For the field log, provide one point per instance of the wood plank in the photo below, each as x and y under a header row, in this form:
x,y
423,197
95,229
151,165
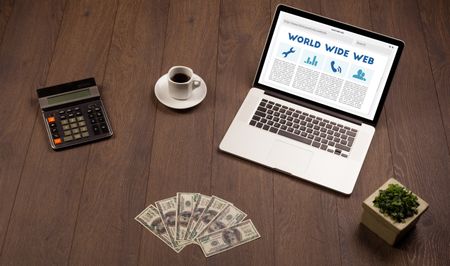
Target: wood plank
x,y
83,214
314,7
419,148
358,245
182,143
243,30
304,211
436,27
6,8
47,200
117,173
22,70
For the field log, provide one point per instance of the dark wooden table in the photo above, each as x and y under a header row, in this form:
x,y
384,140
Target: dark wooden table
x,y
77,206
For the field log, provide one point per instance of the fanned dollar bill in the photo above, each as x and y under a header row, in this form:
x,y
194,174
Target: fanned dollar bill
x,y
152,221
200,206
193,218
215,206
231,215
228,238
168,210
185,207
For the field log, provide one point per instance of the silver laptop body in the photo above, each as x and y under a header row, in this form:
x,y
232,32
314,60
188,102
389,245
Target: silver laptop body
x,y
316,98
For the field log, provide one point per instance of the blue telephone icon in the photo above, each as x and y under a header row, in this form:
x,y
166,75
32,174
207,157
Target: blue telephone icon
x,y
338,69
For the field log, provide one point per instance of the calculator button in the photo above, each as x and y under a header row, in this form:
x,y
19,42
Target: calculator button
x,y
101,119
62,116
69,110
57,141
80,118
52,125
91,115
70,115
77,136
76,108
93,121
68,138
74,125
82,123
96,129
97,109
72,120
64,122
61,112
89,111
54,130
67,133
99,114
66,127
85,134
78,113
83,129
51,119
75,130
55,136
104,128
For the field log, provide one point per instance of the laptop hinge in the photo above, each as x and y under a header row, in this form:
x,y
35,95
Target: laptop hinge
x,y
311,106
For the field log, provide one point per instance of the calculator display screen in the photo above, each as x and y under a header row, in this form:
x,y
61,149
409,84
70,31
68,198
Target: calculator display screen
x,y
69,96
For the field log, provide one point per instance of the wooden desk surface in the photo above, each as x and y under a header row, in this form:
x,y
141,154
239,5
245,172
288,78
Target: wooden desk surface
x,y
77,206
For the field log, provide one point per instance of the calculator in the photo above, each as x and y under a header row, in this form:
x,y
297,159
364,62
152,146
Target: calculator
x,y
74,113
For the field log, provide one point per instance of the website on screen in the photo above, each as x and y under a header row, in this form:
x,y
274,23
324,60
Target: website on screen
x,y
334,67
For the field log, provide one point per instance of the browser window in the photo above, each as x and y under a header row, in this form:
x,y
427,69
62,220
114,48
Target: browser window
x,y
328,65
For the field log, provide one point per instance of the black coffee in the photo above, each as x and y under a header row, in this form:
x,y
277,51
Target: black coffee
x,y
180,78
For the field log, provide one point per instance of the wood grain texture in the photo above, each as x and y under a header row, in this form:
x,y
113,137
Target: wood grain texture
x,y
436,28
358,245
22,70
115,183
83,213
6,8
305,234
243,30
420,161
182,142
44,215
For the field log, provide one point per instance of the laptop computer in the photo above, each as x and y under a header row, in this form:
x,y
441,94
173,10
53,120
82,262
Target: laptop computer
x,y
316,99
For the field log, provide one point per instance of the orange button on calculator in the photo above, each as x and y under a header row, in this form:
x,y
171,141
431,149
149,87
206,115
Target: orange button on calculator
x,y
73,113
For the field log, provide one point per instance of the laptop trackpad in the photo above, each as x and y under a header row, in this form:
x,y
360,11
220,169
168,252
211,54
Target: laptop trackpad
x,y
289,158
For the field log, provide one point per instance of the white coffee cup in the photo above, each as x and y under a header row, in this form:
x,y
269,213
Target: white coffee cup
x,y
181,82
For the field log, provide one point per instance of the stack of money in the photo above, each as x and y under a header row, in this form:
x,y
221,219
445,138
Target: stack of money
x,y
214,224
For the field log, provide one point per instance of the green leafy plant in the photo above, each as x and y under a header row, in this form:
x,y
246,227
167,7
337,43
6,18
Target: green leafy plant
x,y
397,202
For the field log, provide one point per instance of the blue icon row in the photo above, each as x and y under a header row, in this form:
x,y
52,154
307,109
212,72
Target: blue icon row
x,y
312,62
360,75
332,66
335,68
286,53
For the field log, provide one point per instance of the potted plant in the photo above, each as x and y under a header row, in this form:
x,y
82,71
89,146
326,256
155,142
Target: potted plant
x,y
392,210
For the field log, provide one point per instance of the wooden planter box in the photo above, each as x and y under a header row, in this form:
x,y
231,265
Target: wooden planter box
x,y
384,226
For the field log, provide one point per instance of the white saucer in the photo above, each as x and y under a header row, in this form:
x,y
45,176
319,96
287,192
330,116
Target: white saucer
x,y
162,93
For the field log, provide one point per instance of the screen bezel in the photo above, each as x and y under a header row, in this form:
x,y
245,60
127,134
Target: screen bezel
x,y
400,44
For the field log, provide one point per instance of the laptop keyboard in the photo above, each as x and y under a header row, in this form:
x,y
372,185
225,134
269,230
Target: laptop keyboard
x,y
304,127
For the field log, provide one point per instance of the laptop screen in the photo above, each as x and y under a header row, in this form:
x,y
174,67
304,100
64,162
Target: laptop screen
x,y
329,63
